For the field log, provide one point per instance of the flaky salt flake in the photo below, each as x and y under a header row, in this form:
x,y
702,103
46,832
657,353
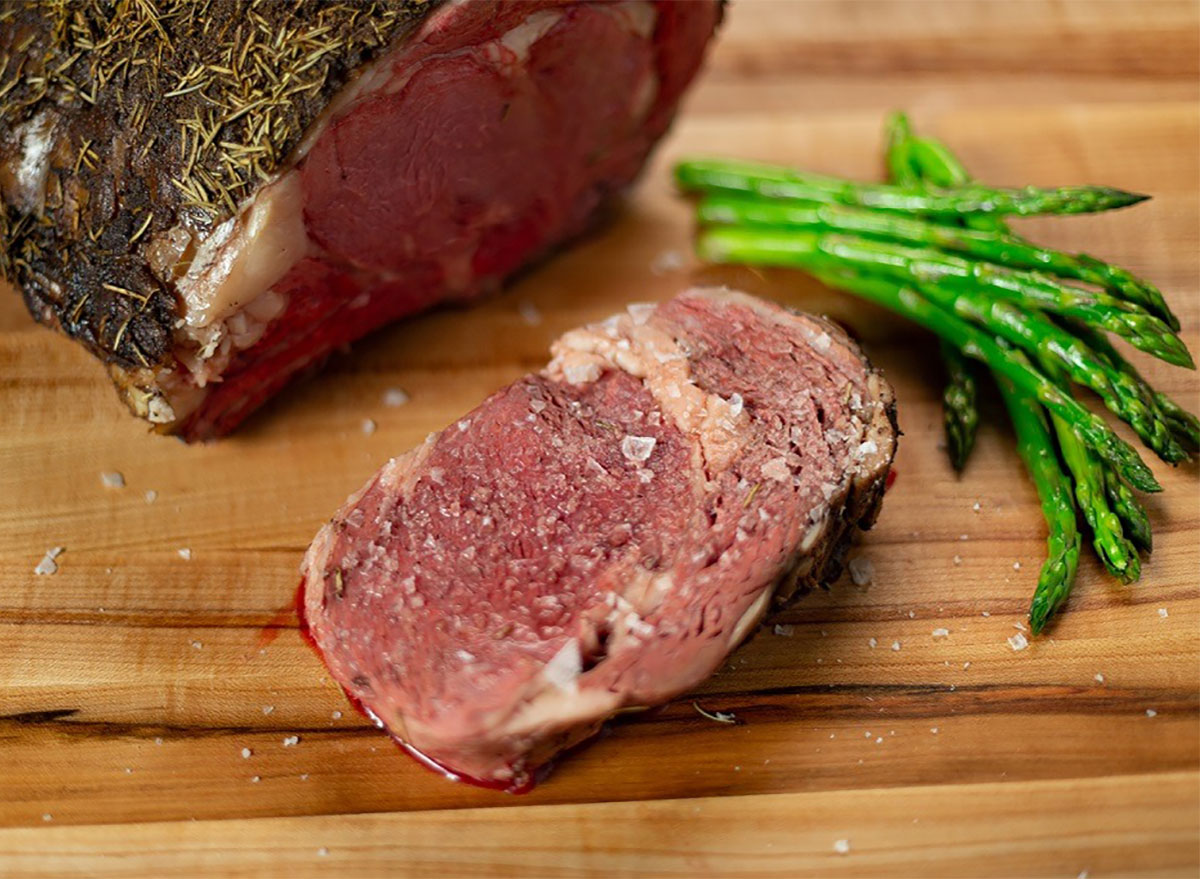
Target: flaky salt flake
x,y
861,571
666,261
246,753
872,643
267,709
46,816
394,398
841,846
1150,712
896,646
565,666
934,730
185,553
777,469
582,373
785,630
868,447
1018,641
822,342
736,404
1099,678
255,779
941,633
975,507
322,852
1019,626
958,560
638,448
291,741
113,479
48,565
151,496
368,426
1162,612
640,311
529,313
337,715
1016,566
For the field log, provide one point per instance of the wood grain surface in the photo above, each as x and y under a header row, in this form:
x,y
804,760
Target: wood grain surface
x,y
133,680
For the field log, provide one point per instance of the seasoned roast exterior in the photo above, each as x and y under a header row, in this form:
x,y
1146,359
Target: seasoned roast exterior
x,y
600,535
213,196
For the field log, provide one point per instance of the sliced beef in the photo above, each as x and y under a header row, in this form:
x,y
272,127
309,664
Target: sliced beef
x,y
213,197
602,534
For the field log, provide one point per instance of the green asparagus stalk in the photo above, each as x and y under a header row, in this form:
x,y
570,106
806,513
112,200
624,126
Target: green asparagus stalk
x,y
979,345
772,181
991,245
1037,450
813,250
960,412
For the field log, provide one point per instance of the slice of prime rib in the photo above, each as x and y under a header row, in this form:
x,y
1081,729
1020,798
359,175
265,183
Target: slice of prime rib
x,y
602,534
212,197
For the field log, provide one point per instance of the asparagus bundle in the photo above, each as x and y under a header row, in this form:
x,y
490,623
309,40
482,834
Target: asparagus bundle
x,y
933,246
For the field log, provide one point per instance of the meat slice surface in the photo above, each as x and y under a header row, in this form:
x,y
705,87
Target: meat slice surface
x,y
243,191
602,534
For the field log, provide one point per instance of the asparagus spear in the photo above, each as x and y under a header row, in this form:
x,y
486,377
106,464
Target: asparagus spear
x,y
1108,537
993,245
772,181
1184,424
960,412
978,345
1128,508
1036,447
811,249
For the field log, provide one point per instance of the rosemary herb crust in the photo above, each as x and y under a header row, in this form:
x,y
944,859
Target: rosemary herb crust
x,y
154,115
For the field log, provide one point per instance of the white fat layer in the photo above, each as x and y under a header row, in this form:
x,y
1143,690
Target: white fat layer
x,y
247,254
564,667
37,141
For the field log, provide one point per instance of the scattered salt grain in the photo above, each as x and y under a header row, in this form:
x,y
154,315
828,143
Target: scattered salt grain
x,y
934,730
1099,678
786,630
185,554
368,426
529,313
640,311
254,779
958,560
197,645
867,734
113,479
941,633
1020,627
967,664
1016,566
267,709
151,496
394,398
1150,712
337,715
986,614
158,740
1162,612
667,261
896,645
879,740
48,565
322,852
47,817
304,776
1018,642
964,537
246,753
872,643
861,571
841,846
637,448
976,507
291,741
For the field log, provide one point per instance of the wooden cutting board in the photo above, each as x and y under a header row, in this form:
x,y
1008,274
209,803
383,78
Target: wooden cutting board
x,y
145,697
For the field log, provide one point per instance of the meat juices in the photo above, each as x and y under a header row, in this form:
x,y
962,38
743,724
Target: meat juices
x,y
424,152
602,534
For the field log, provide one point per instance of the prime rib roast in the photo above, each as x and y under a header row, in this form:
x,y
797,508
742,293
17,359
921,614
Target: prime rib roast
x,y
602,534
212,197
